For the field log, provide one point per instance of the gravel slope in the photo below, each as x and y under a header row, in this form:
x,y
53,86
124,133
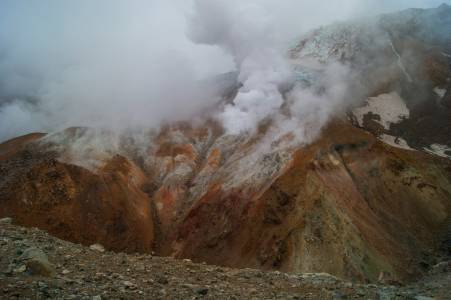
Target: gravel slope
x,y
78,272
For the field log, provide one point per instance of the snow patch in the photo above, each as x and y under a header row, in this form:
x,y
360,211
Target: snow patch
x,y
330,42
395,141
400,63
440,92
391,109
446,55
439,150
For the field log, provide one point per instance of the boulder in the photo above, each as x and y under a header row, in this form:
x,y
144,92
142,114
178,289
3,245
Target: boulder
x,y
97,247
37,262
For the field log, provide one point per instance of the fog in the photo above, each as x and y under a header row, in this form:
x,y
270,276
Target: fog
x,y
135,64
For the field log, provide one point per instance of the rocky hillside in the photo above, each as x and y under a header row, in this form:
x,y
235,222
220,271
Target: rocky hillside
x,y
347,204
35,265
403,65
369,200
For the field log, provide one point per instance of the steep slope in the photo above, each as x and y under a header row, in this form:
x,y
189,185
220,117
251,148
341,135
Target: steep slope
x,y
74,203
400,58
347,204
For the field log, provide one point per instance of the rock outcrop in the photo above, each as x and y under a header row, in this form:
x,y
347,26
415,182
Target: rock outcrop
x,y
347,204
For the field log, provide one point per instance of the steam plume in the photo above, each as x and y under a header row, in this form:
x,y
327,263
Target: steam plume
x,y
129,64
247,32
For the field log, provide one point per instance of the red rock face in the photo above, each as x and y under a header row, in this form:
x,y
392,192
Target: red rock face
x,y
346,204
10,148
75,204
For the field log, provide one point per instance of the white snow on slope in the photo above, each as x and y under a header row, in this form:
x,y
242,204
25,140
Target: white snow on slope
x,y
439,150
400,63
395,141
391,109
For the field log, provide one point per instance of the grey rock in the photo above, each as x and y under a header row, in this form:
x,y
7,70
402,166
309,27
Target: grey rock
x,y
129,284
97,247
423,298
6,221
20,269
162,280
441,267
201,290
37,262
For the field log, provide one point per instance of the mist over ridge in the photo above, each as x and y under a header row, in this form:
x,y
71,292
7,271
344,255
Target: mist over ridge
x,y
133,65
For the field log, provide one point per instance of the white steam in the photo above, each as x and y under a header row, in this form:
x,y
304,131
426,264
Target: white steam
x,y
244,31
108,64
249,33
123,65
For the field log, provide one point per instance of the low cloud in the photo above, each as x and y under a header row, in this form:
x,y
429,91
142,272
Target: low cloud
x,y
133,64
